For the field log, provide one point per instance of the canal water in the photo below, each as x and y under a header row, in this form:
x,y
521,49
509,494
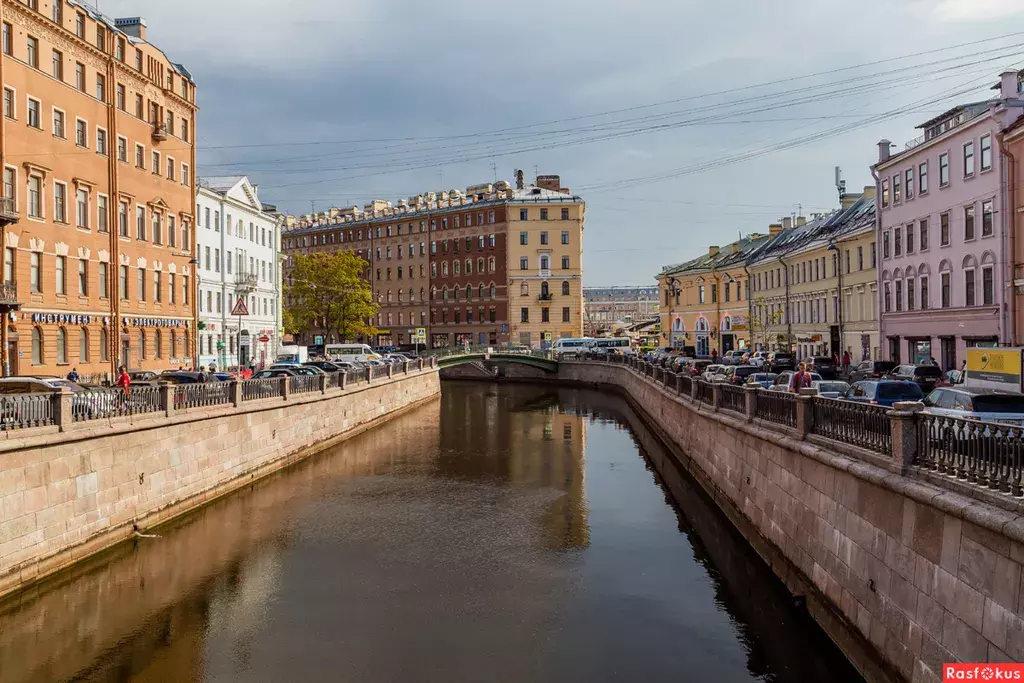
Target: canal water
x,y
500,534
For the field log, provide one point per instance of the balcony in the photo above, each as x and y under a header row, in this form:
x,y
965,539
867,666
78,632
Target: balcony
x,y
159,132
9,295
246,282
546,297
8,212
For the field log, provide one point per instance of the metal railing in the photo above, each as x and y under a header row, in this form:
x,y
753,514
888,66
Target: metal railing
x,y
855,423
206,394
257,389
776,406
334,379
95,404
685,383
705,393
21,411
984,453
9,292
305,384
378,371
8,211
734,398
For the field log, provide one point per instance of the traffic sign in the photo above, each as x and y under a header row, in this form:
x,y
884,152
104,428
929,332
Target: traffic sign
x,y
240,308
421,333
264,339
318,340
547,336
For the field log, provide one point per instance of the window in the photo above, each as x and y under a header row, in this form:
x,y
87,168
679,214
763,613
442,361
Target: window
x,y
524,263
83,277
987,288
885,244
171,289
897,247
986,218
122,219
944,169
986,152
37,346
142,344
7,31
922,178
544,238
34,113
545,315
9,269
158,237
923,234
184,289
896,196
969,286
140,156
35,272
969,159
910,183
910,238
82,206
9,110
158,289
60,202
968,223
185,176
910,294
101,87
944,230
565,262
170,168
524,238
138,60
700,294
142,284
80,76
10,185
81,133
543,214
523,213
171,238
155,167
101,38
57,62
524,315
899,295
32,56
924,292
565,288
119,49
138,106
60,274
122,284
104,345
35,196
62,346
140,222
103,282
886,297
565,214
184,130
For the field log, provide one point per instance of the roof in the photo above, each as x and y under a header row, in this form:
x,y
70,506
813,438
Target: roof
x,y
723,259
532,193
971,109
220,184
861,214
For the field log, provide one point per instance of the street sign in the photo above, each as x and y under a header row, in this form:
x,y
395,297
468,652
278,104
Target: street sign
x,y
547,336
220,345
264,339
240,308
504,328
421,334
318,340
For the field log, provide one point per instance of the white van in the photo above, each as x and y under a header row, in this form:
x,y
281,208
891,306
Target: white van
x,y
350,353
609,345
570,348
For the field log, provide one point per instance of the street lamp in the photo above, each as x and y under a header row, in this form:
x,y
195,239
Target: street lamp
x,y
834,248
675,289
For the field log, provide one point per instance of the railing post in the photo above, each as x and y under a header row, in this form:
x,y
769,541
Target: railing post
x,y
167,399
63,409
391,370
716,396
679,382
903,423
750,394
805,411
286,387
236,392
694,385
419,361
323,383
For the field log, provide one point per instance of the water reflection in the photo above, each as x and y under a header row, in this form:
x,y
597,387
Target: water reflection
x,y
504,534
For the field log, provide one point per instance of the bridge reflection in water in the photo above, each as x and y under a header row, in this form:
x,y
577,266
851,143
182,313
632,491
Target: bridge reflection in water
x,y
500,534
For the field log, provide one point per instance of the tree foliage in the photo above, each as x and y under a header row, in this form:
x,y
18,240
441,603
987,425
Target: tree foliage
x,y
328,292
763,324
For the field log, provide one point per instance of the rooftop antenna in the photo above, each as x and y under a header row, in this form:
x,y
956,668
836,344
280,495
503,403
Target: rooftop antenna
x,y
441,175
494,169
840,183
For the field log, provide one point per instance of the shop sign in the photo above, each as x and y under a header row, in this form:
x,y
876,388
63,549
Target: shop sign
x,y
153,322
63,318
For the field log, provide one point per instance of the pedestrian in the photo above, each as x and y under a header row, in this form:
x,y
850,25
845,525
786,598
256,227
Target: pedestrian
x,y
846,361
73,375
714,355
213,367
123,382
802,379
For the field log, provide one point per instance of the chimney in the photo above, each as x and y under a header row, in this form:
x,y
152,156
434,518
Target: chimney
x,y
519,179
848,200
133,26
883,150
713,251
1009,87
549,182
774,229
800,221
869,191
787,223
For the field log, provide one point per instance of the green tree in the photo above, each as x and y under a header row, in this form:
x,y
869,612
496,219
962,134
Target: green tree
x,y
328,292
763,324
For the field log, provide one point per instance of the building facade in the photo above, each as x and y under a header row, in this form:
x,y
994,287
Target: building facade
x,y
605,308
96,144
238,247
944,233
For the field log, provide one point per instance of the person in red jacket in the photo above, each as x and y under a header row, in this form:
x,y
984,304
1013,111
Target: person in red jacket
x,y
123,380
802,379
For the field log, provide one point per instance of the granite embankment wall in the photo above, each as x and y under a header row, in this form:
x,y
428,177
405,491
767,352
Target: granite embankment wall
x,y
904,572
69,492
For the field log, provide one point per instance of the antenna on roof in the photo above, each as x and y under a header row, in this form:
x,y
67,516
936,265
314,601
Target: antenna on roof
x,y
840,183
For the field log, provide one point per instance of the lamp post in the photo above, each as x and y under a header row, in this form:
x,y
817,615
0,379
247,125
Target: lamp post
x,y
675,289
834,248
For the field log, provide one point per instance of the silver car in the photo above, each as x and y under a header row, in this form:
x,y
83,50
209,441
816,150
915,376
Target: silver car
x,y
979,405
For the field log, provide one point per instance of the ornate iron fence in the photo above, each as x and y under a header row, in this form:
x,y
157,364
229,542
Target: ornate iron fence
x,y
256,389
777,406
205,394
94,404
984,453
734,398
855,423
685,383
705,393
378,371
305,384
20,411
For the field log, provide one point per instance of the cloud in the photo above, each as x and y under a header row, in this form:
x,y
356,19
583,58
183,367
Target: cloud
x,y
974,10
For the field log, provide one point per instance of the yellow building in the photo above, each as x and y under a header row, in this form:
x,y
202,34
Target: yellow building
x,y
545,263
705,303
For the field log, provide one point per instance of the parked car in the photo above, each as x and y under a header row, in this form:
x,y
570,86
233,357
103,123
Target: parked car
x,y
952,378
884,392
243,372
982,405
740,373
780,362
275,372
142,376
733,357
758,358
325,365
784,381
185,377
305,370
762,379
831,388
871,369
925,375
697,367
823,365
711,370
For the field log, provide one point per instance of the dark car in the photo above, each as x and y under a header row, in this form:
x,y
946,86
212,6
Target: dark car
x,y
823,365
698,367
186,377
884,392
871,369
275,372
740,373
780,362
325,365
925,375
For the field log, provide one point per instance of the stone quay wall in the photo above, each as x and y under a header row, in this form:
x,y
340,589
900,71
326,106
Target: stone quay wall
x,y
68,491
905,570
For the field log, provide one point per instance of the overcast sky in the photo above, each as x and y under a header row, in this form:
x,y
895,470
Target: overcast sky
x,y
391,96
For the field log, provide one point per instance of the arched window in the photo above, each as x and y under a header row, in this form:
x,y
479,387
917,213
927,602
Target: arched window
x,y
389,318
524,289
469,266
389,296
444,269
188,343
479,266
456,292
490,264
444,293
158,345
480,291
174,343
456,267
104,345
469,292
677,325
422,294
433,293
412,295
37,346
726,324
142,345
83,345
544,292
494,290
399,296
565,288
62,346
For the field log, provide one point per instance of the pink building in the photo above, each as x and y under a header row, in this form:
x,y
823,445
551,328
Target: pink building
x,y
943,234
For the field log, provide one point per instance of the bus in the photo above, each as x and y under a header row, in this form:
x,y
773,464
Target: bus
x,y
570,348
609,345
350,353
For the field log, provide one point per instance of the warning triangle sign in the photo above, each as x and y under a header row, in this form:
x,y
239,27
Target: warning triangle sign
x,y
240,308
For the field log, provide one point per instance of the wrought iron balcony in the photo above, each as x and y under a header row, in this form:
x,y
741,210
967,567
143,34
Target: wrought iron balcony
x,y
546,297
246,281
9,294
8,212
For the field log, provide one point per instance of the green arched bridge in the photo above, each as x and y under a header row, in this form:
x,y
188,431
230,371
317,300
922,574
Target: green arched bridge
x,y
545,364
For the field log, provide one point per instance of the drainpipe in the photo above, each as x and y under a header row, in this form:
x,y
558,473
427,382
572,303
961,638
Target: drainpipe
x,y
878,271
718,306
1009,220
788,311
750,309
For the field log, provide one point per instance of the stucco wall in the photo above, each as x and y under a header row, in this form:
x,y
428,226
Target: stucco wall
x,y
66,495
902,574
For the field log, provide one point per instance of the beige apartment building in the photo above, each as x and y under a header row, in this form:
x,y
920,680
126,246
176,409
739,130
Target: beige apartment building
x,y
96,143
545,263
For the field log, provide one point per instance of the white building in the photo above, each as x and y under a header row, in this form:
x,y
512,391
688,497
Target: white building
x,y
239,242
